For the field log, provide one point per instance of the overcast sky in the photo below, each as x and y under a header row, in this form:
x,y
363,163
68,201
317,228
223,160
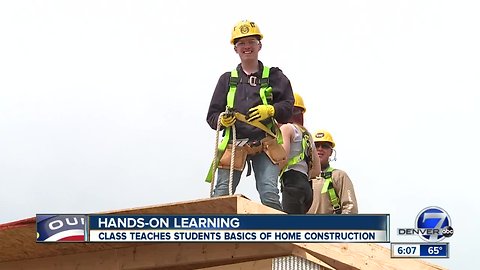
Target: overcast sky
x,y
103,103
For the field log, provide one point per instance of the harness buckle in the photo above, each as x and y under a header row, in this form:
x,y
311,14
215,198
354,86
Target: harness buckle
x,y
252,80
337,209
254,143
229,111
326,175
246,141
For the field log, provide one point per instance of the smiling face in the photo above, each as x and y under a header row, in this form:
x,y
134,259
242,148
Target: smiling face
x,y
248,47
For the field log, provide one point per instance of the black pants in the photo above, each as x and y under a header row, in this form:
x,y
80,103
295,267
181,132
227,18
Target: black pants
x,y
297,194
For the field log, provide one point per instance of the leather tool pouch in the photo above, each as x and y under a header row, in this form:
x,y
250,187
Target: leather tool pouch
x,y
253,149
274,151
239,161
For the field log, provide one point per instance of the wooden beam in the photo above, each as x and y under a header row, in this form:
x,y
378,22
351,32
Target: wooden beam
x,y
217,205
18,246
18,238
157,256
299,252
245,206
257,265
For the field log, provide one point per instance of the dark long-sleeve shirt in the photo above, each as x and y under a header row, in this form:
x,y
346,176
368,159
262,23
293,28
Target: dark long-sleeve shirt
x,y
248,96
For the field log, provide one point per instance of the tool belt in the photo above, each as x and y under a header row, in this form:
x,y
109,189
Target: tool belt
x,y
269,145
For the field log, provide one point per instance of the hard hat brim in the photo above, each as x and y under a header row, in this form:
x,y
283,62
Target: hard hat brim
x,y
233,41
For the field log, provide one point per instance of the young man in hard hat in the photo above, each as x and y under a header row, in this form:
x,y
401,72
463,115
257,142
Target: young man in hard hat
x,y
303,162
333,191
256,97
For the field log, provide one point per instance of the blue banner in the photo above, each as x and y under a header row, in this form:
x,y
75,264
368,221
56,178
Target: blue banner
x,y
239,222
434,250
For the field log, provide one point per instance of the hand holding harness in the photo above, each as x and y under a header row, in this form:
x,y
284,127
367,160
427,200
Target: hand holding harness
x,y
266,97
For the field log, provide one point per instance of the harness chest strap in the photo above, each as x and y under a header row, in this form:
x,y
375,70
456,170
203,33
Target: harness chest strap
x,y
328,187
301,156
265,95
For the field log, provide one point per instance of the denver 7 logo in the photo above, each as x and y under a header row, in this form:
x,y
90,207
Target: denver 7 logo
x,y
432,222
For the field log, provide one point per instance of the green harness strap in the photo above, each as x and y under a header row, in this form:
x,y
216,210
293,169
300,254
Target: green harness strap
x,y
265,95
301,156
328,187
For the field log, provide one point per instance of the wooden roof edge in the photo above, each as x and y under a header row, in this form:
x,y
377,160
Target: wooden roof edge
x,y
337,255
187,202
302,253
246,206
31,220
17,223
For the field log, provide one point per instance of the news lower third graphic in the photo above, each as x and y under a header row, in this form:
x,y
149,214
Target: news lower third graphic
x,y
61,228
432,225
239,228
217,228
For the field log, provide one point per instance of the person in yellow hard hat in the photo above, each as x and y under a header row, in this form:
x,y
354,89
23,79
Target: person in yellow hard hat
x,y
303,162
333,191
252,97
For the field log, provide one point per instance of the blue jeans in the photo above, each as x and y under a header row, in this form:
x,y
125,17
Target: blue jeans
x,y
266,177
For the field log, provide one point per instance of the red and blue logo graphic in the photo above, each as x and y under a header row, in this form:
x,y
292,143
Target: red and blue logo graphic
x,y
61,228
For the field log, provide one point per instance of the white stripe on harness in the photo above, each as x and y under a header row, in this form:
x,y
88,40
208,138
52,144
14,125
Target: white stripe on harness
x,y
241,142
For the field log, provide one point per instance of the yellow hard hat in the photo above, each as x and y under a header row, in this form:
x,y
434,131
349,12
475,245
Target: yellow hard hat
x,y
323,136
245,29
299,102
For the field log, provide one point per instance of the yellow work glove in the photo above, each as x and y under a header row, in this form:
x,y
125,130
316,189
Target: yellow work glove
x,y
261,112
227,120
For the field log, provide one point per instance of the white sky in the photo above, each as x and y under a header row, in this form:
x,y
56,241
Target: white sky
x,y
103,103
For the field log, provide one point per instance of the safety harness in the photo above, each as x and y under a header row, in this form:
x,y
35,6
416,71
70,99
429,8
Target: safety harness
x,y
266,97
328,187
305,154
